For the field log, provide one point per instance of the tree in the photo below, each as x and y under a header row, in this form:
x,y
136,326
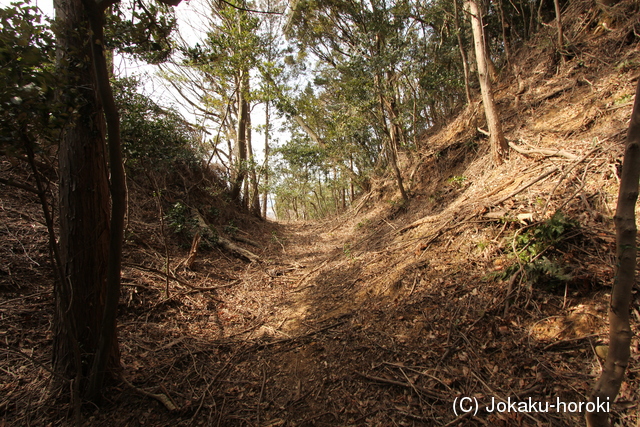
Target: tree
x,y
92,202
215,77
84,205
497,141
30,115
463,54
560,35
620,333
365,56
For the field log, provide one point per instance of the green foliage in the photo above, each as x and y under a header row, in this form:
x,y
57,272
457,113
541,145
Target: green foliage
x,y
152,136
232,48
210,239
457,181
623,99
549,234
307,186
28,108
141,29
346,250
180,220
545,237
231,228
363,224
299,153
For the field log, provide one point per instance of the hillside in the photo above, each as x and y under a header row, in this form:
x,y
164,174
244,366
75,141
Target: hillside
x,y
384,314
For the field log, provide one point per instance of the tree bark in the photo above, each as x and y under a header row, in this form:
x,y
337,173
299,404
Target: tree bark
x,y
107,341
505,39
560,39
392,140
463,54
620,333
253,193
84,202
265,193
240,171
498,143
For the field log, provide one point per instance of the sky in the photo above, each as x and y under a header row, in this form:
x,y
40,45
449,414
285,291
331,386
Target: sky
x,y
191,16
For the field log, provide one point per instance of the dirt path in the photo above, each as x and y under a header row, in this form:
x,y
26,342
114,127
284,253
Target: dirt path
x,y
342,323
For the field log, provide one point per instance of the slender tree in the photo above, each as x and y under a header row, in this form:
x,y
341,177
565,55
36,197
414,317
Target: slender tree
x,y
463,54
497,140
559,33
84,203
620,333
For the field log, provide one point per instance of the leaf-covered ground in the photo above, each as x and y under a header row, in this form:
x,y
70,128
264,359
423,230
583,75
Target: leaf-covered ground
x,y
386,314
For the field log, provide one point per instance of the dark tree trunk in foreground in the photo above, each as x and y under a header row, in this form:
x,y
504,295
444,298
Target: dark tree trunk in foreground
x,y
106,360
84,202
620,334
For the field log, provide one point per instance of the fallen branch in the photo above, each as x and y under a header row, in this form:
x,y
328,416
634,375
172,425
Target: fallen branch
x,y
20,185
162,398
193,252
299,337
247,241
570,340
432,394
299,282
34,361
547,152
564,175
228,245
156,271
527,185
177,279
211,288
237,250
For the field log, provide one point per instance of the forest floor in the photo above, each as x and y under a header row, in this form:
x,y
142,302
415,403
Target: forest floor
x,y
343,322
383,315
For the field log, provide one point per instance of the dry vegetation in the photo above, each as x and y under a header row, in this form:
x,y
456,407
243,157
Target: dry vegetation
x,y
386,314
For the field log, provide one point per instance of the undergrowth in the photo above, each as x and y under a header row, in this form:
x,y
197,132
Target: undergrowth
x,y
536,250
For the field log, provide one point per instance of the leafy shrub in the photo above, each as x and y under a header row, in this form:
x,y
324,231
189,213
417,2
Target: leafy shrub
x,y
180,221
152,136
545,237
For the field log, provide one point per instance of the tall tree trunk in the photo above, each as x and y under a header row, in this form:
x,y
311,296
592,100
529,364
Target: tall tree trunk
x,y
351,180
392,128
393,154
490,66
84,204
108,342
620,332
253,193
240,167
560,36
505,39
463,54
498,143
265,193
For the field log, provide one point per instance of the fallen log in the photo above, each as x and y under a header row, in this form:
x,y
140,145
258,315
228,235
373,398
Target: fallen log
x,y
206,230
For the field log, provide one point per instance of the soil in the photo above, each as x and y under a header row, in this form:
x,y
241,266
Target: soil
x,y
385,314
